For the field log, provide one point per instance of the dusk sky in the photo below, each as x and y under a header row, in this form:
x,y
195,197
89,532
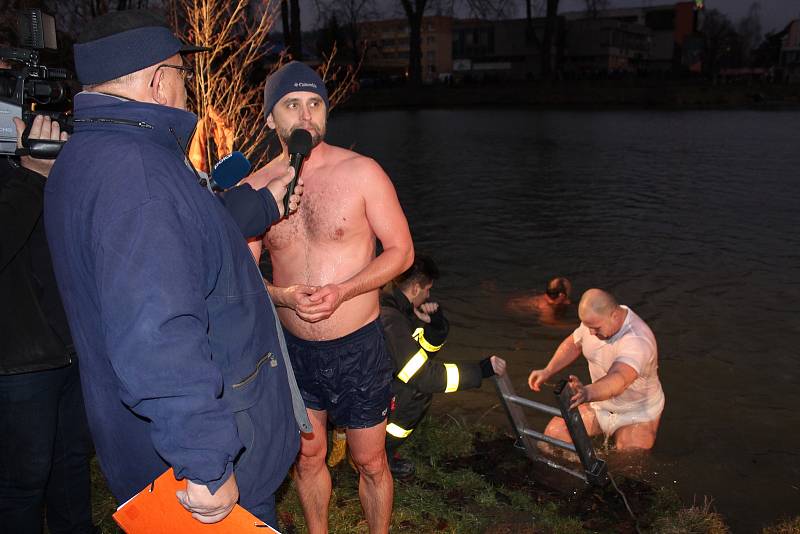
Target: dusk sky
x,y
775,14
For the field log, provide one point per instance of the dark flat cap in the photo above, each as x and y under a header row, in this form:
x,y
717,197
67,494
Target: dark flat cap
x,y
123,42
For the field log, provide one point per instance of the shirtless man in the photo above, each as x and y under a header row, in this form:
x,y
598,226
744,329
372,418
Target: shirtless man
x,y
326,280
625,399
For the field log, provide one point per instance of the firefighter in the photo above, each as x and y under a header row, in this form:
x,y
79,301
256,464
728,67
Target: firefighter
x,y
415,330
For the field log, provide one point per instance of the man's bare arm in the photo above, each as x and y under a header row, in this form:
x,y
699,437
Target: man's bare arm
x,y
388,222
286,297
619,377
566,353
256,246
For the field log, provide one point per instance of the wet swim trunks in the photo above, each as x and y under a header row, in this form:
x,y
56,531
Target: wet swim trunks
x,y
611,421
350,377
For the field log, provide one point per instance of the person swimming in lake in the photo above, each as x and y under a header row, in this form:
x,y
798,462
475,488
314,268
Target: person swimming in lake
x,y
550,306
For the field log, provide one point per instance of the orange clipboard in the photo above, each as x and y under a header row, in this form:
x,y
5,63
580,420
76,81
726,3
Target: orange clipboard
x,y
156,510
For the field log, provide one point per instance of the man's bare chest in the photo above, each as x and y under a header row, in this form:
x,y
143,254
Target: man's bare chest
x,y
328,213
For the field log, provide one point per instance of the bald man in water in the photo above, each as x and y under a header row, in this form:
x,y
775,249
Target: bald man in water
x,y
625,399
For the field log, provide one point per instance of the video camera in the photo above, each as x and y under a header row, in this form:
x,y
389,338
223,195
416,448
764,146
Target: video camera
x,y
27,84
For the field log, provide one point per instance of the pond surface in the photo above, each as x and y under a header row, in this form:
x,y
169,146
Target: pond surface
x,y
689,218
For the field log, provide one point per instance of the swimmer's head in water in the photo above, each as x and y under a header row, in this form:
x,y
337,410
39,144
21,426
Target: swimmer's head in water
x,y
558,287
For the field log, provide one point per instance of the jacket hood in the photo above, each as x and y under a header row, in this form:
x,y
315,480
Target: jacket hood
x,y
101,111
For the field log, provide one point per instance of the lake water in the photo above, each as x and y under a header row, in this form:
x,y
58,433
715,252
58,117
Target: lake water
x,y
690,218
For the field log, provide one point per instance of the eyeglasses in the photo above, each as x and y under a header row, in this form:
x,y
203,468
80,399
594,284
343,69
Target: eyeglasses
x,y
187,73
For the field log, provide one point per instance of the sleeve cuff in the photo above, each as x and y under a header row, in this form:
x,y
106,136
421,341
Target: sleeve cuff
x,y
270,206
254,211
214,485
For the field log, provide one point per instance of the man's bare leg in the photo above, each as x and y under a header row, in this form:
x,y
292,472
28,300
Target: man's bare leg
x,y
312,477
557,428
638,436
375,488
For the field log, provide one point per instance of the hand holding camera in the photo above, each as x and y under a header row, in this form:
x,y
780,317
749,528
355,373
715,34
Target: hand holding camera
x,y
43,128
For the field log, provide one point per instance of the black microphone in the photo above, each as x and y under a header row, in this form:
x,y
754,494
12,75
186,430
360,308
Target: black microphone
x,y
299,148
229,171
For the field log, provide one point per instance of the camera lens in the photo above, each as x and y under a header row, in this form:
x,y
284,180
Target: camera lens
x,y
46,91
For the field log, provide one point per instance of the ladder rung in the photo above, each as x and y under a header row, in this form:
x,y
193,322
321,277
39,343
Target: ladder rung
x,y
554,465
548,439
533,404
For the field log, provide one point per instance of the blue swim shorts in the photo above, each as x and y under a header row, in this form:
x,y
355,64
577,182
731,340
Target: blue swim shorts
x,y
350,377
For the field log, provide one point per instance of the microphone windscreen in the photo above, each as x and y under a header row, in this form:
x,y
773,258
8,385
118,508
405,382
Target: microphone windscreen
x,y
300,142
230,170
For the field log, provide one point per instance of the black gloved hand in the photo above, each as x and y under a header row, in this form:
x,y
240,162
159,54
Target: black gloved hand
x,y
486,367
436,331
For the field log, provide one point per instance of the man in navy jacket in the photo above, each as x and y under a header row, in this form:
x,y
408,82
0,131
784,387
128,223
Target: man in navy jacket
x,y
183,363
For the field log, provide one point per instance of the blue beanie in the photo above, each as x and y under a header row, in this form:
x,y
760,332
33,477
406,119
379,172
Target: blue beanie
x,y
293,76
123,42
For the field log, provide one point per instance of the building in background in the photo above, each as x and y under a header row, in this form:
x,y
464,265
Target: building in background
x,y
502,49
386,48
599,46
661,38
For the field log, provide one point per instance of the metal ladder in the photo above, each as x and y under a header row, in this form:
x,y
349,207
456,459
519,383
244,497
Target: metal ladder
x,y
595,470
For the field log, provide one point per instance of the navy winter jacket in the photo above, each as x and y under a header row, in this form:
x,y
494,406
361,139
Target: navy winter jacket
x,y
183,362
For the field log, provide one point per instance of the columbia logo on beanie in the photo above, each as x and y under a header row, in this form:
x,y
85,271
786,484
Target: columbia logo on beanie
x,y
294,76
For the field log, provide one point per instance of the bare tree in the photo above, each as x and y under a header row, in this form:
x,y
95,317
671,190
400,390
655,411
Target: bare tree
x,y
228,101
292,35
547,39
722,42
490,9
415,9
297,41
350,13
749,29
594,7
287,29
532,7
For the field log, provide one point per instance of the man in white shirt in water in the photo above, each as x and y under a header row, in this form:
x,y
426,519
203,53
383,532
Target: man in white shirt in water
x,y
625,399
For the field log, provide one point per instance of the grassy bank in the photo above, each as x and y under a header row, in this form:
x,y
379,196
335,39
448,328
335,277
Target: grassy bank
x,y
581,94
474,480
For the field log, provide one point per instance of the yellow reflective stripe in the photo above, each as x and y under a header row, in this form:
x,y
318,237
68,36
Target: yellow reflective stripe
x,y
419,336
397,431
452,377
413,365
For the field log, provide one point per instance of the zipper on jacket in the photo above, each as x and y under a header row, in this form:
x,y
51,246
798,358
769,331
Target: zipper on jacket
x,y
184,151
273,362
126,122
